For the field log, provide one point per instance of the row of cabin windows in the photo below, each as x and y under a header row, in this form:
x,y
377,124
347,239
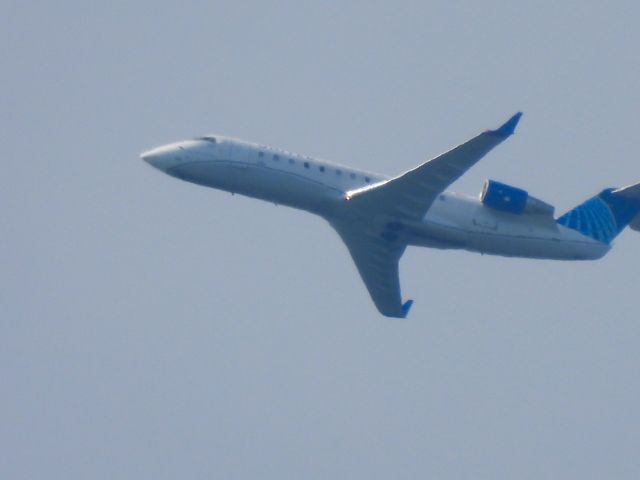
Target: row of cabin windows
x,y
276,158
308,165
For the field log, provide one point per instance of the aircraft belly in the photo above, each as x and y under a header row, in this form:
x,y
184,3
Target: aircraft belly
x,y
514,242
220,175
535,246
435,235
285,188
272,185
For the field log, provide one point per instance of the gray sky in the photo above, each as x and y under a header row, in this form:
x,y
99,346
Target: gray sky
x,y
154,329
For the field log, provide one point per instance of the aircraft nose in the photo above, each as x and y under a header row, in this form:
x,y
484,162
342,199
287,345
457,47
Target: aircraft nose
x,y
146,156
153,156
161,157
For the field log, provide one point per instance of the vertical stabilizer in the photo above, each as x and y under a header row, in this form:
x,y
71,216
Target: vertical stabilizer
x,y
604,216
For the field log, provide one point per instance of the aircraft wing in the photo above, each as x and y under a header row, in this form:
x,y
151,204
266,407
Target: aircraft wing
x,y
377,261
375,251
411,194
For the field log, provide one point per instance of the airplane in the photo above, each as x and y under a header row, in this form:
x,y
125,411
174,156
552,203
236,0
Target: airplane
x,y
377,217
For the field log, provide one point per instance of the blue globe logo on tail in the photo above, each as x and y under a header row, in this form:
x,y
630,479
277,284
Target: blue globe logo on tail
x,y
601,217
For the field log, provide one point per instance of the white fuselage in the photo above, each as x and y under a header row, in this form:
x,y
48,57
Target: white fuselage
x,y
453,221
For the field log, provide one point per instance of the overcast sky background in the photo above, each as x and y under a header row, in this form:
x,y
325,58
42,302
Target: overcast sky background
x,y
154,329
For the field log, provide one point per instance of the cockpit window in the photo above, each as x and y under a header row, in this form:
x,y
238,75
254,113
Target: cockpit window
x,y
208,139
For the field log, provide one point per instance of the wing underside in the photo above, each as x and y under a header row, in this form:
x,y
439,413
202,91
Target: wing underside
x,y
377,260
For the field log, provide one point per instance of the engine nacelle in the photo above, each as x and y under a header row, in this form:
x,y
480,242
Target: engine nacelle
x,y
512,200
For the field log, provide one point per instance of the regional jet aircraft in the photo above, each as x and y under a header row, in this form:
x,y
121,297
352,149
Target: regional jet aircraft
x,y
377,217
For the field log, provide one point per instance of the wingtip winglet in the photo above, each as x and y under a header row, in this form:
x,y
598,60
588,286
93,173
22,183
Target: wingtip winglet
x,y
509,127
406,307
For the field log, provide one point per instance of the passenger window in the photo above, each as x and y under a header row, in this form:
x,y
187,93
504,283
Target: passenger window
x,y
306,164
338,172
321,168
276,157
291,161
261,154
367,179
352,176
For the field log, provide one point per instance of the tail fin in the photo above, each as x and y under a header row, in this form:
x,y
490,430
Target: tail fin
x,y
604,216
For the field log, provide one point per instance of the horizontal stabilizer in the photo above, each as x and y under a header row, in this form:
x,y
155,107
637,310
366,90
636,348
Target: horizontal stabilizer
x,y
632,192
